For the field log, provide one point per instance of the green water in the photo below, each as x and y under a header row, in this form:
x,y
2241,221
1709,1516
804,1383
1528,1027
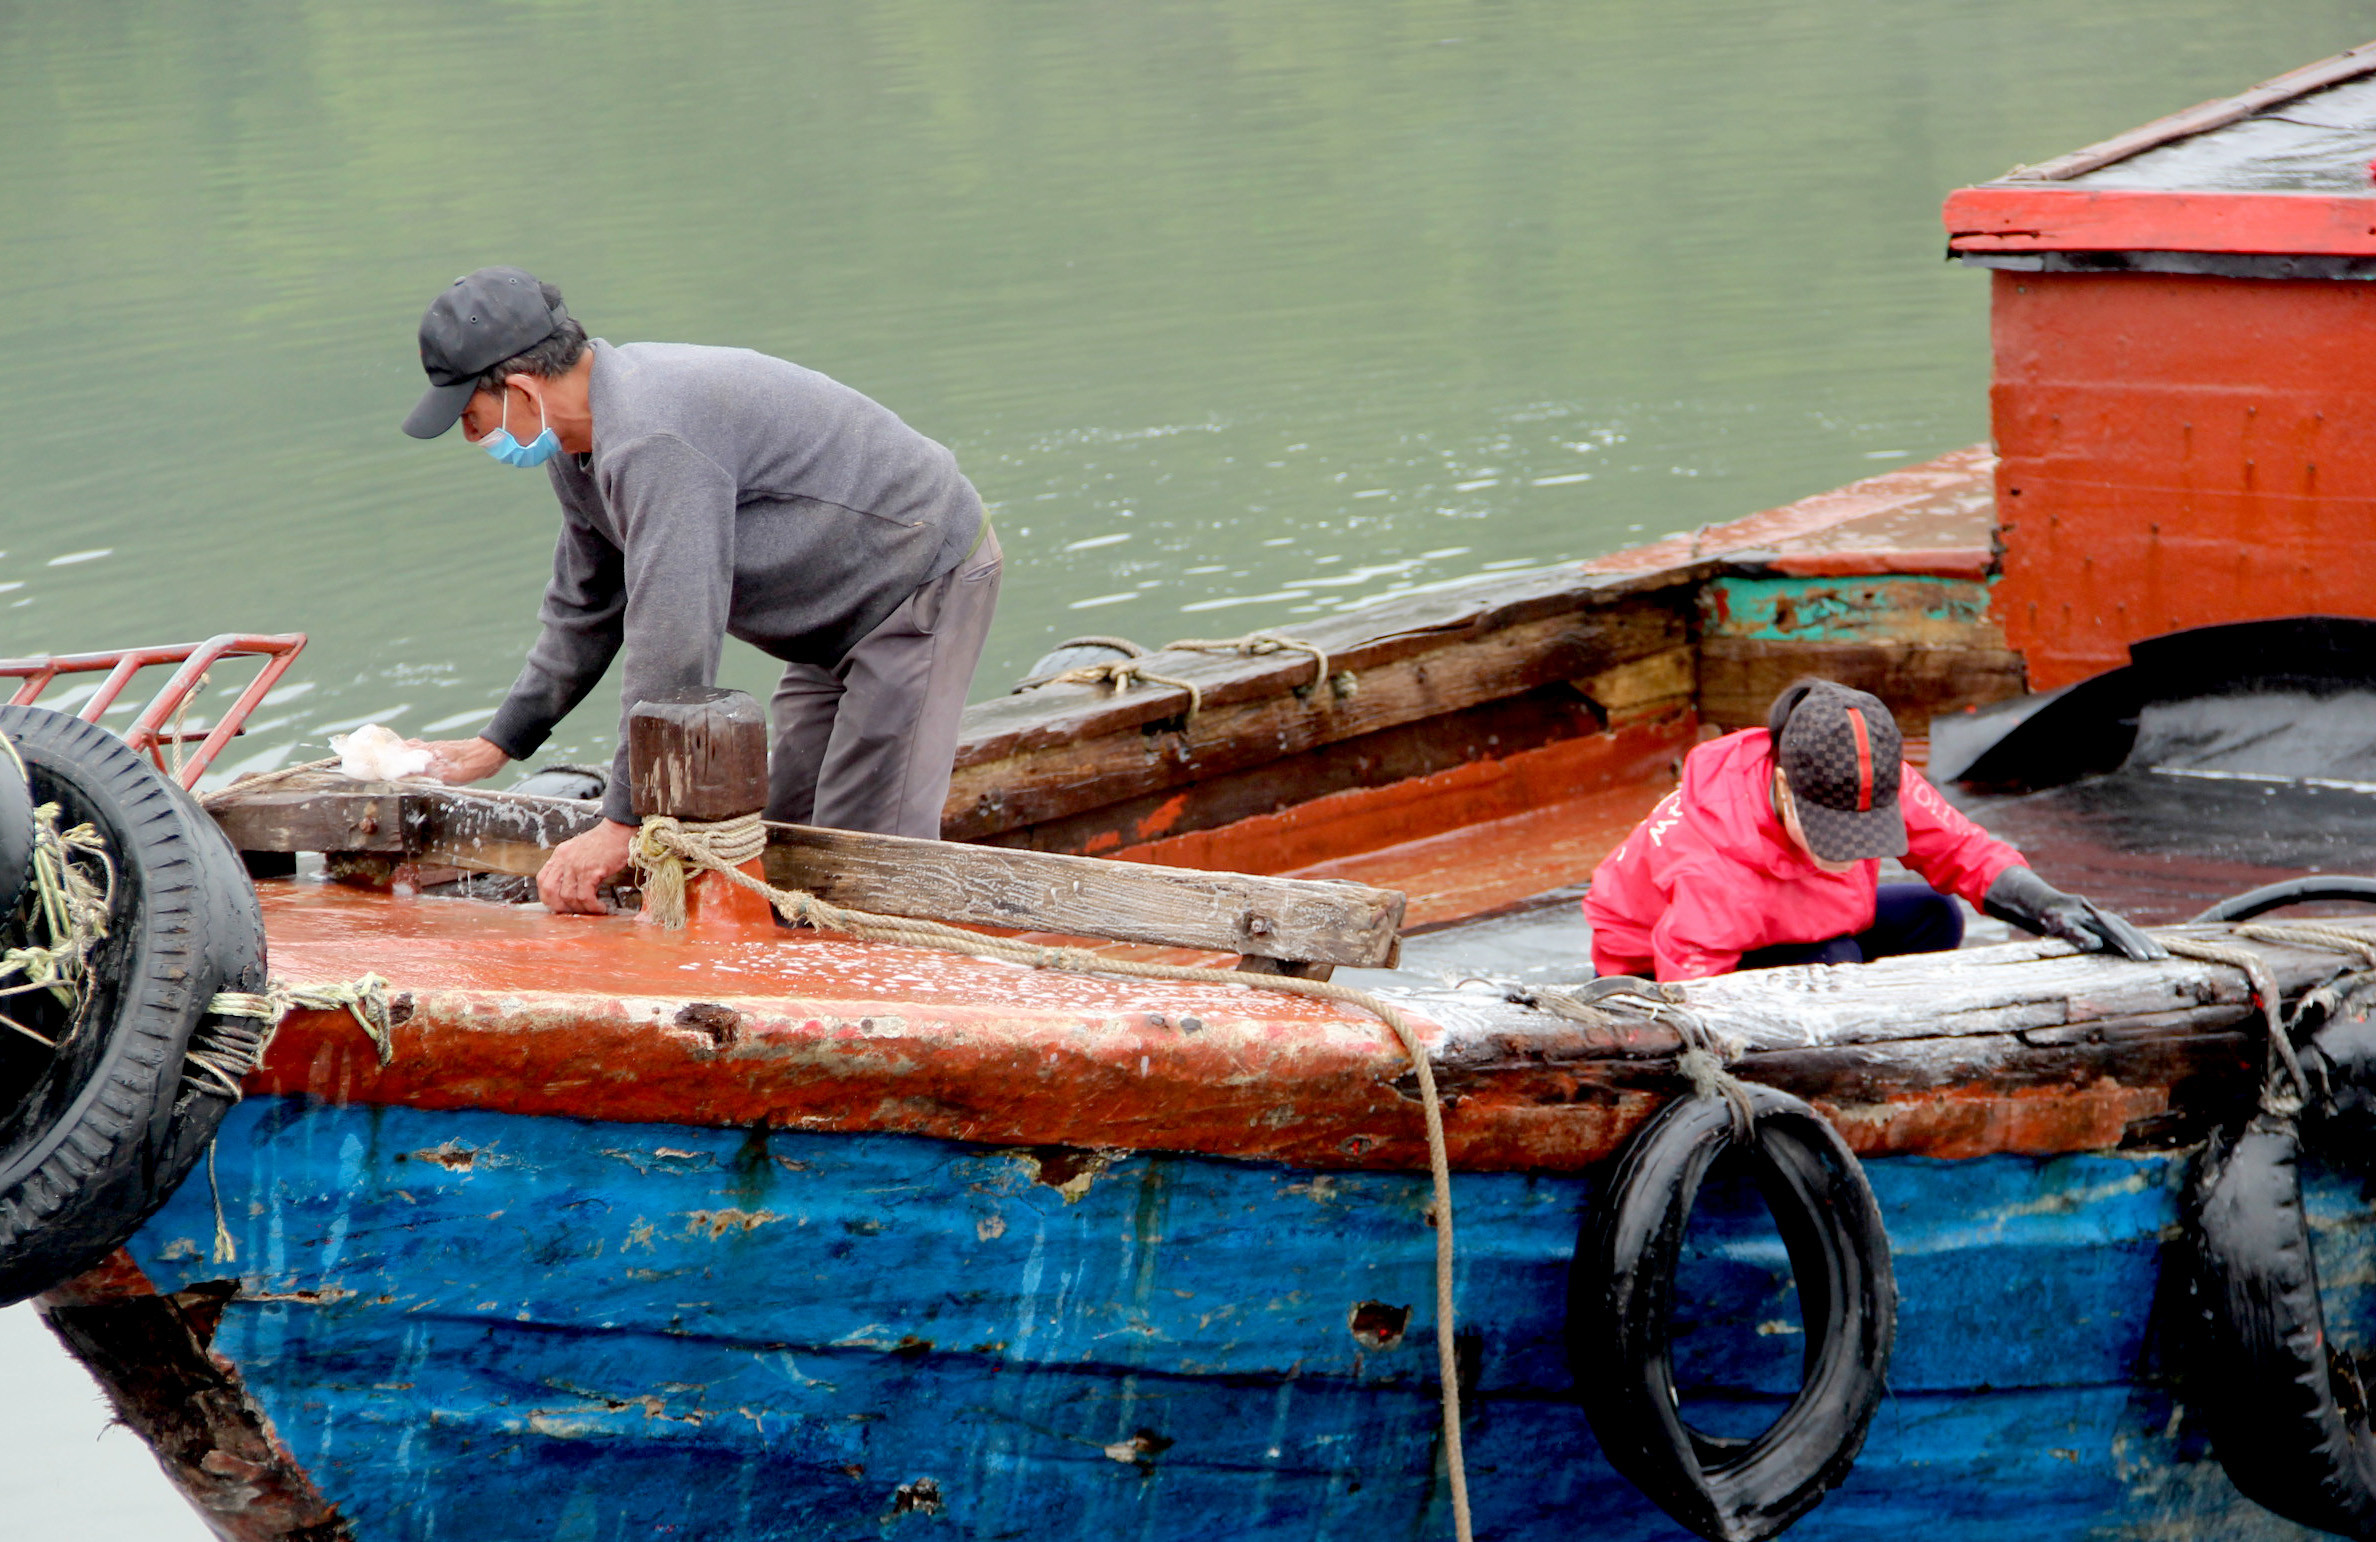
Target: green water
x,y
1236,311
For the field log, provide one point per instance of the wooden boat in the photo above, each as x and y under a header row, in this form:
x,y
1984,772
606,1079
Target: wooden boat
x,y
743,1231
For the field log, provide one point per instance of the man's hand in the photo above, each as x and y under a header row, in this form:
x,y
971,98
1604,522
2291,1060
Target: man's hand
x,y
578,867
456,761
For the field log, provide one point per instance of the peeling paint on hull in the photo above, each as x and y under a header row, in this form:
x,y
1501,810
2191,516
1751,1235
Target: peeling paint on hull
x,y
931,1336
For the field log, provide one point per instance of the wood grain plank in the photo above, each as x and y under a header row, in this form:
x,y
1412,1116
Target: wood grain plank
x,y
1051,776
1286,918
1740,676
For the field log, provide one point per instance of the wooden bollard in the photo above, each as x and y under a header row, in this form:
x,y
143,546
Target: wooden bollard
x,y
701,756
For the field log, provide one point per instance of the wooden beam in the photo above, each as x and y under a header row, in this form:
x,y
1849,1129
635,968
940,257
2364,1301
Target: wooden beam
x,y
282,820
1043,891
1280,918
1740,676
1064,749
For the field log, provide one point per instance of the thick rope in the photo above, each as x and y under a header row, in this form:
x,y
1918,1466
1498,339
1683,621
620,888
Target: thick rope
x,y
2275,1098
665,843
2311,934
1704,1059
2314,935
658,845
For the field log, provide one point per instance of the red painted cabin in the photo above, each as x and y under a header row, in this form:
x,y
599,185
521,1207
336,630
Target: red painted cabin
x,y
2185,338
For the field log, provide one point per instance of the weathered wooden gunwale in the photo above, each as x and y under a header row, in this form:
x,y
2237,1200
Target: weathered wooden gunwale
x,y
1883,584
2022,1048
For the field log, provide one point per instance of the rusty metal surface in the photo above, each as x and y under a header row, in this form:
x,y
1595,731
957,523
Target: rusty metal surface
x,y
158,723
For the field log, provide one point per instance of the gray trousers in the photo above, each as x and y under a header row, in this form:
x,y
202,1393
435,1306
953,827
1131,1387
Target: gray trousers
x,y
867,743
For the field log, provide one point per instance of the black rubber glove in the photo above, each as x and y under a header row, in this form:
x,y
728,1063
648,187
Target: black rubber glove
x,y
2022,898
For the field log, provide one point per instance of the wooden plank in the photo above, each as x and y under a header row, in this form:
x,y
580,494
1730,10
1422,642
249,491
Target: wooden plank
x,y
1051,774
2037,992
1294,919
1280,918
1058,715
1740,676
1494,729
282,820
1645,686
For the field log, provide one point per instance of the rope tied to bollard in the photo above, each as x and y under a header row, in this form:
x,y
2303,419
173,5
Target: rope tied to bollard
x,y
665,848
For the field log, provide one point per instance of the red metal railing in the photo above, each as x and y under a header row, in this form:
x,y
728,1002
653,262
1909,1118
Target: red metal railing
x,y
149,732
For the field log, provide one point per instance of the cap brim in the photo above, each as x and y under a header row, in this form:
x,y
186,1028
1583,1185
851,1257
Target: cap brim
x,y
437,409
1852,835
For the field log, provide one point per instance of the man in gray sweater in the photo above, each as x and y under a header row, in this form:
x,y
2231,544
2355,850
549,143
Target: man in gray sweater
x,y
709,492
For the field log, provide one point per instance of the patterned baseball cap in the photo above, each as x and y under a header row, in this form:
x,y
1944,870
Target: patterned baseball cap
x,y
1841,751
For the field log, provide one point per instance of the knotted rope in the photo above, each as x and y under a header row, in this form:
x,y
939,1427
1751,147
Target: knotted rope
x,y
664,844
1254,645
1705,1059
233,1052
229,1052
1125,672
2282,1094
1122,674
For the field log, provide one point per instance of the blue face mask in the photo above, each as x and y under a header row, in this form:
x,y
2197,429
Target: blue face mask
x,y
510,451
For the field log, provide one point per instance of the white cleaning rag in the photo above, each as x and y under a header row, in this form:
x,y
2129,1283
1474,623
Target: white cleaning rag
x,y
376,753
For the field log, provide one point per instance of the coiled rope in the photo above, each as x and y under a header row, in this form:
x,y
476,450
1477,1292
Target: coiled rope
x,y
664,848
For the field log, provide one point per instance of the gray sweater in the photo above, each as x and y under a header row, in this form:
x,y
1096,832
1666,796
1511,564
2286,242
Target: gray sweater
x,y
728,493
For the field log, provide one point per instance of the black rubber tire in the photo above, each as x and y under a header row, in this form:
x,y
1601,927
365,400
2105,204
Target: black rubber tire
x,y
93,1138
2290,891
2288,1417
16,834
1620,1306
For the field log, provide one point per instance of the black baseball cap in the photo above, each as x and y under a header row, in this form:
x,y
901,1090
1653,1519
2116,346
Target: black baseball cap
x,y
1841,752
482,319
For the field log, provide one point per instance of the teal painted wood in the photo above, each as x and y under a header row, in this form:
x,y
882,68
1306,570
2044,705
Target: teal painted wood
x,y
1896,607
492,1326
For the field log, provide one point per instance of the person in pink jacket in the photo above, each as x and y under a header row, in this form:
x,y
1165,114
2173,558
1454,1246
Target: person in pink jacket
x,y
1766,856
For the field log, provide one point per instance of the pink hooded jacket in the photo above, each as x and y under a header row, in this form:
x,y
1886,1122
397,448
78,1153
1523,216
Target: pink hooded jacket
x,y
1711,874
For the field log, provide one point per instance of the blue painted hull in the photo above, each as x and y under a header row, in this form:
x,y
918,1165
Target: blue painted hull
x,y
472,1325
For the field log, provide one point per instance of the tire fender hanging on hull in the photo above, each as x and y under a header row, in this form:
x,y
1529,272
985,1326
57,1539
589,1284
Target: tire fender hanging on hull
x,y
100,1127
1621,1298
2287,1411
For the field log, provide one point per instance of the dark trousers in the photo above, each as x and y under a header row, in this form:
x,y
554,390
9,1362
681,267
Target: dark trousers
x,y
1907,918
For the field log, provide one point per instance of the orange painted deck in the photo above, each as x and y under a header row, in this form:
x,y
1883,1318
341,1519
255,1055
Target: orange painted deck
x,y
511,1009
